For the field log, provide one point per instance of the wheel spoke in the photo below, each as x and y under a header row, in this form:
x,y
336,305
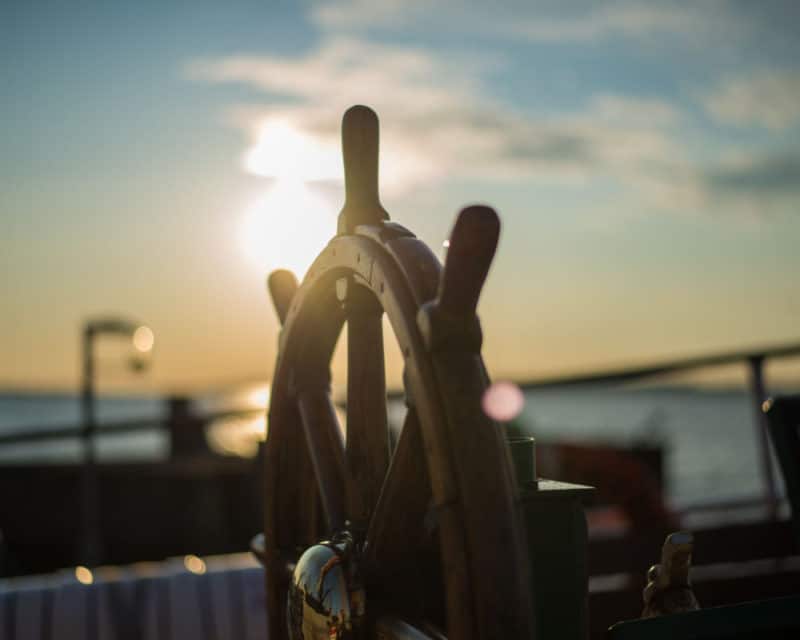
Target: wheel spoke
x,y
308,504
498,563
367,450
324,441
285,454
396,531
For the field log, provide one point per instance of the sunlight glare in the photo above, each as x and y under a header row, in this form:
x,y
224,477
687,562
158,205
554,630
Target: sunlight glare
x,y
283,152
287,228
237,435
258,397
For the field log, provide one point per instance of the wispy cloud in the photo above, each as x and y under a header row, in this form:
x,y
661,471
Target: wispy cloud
x,y
358,14
426,102
628,19
440,119
542,21
757,185
778,174
746,183
769,99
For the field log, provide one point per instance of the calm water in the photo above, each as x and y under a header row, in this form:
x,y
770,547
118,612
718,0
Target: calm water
x,y
709,438
711,447
31,412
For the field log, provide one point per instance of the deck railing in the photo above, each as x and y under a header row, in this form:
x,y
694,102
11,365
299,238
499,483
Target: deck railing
x,y
138,425
754,359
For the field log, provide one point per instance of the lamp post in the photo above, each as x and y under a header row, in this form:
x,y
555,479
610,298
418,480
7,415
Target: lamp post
x,y
141,339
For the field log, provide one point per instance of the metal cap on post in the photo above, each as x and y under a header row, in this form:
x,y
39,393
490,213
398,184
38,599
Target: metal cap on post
x,y
362,204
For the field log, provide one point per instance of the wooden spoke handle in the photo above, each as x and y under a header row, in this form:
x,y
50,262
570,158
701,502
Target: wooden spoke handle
x,y
473,242
362,204
282,285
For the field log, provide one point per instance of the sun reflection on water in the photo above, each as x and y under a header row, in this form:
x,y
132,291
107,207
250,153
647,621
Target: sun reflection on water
x,y
242,433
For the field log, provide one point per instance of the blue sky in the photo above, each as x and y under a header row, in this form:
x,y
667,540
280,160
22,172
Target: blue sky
x,y
644,158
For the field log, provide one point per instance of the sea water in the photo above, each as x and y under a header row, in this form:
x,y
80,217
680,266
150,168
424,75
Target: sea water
x,y
31,412
709,438
711,446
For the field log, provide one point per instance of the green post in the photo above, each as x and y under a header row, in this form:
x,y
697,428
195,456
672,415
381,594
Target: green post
x,y
557,546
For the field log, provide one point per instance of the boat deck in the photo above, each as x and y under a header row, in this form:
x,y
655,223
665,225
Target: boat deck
x,y
213,599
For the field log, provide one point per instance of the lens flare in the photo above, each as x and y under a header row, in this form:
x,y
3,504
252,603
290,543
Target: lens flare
x,y
503,401
194,564
143,339
83,575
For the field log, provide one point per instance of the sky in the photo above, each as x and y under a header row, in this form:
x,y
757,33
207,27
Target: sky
x,y
159,159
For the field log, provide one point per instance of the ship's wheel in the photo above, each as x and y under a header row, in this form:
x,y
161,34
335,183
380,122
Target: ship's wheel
x,y
432,522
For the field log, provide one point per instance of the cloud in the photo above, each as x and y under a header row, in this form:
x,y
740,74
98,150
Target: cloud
x,y
769,99
440,120
634,111
358,14
757,185
777,174
425,101
745,184
542,21
631,20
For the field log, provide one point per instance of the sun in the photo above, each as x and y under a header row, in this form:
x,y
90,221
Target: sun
x,y
289,225
283,151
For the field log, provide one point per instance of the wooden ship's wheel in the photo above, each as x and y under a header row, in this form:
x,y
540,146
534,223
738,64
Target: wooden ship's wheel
x,y
422,539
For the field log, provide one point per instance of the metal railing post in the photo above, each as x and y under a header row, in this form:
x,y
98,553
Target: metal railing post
x,y
90,534
759,395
